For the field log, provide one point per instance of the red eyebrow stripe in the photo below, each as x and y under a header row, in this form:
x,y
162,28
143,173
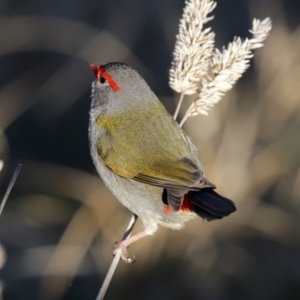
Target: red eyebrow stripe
x,y
111,82
100,71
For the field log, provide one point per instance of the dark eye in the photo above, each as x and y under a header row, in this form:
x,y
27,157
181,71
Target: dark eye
x,y
102,79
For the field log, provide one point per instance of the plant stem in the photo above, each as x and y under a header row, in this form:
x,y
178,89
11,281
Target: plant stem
x,y
178,105
184,118
116,260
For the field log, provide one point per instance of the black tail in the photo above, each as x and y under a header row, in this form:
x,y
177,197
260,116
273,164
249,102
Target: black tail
x,y
211,206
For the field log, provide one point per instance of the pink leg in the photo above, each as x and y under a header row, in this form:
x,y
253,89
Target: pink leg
x,y
123,245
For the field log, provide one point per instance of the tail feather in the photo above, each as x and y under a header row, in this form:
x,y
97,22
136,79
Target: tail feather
x,y
209,205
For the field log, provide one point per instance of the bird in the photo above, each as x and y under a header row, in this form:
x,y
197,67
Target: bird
x,y
144,157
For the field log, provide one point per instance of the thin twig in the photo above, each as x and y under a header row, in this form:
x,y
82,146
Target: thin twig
x,y
178,106
116,260
184,118
11,184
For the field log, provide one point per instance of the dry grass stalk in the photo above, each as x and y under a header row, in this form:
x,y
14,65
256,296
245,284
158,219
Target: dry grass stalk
x,y
194,57
228,66
193,47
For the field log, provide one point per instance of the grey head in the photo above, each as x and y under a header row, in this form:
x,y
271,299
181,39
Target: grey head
x,y
118,87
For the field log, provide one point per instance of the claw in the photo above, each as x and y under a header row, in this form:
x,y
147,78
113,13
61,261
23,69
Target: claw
x,y
124,252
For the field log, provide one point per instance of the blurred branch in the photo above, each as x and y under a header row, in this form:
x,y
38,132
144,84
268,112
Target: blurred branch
x,y
68,254
11,184
41,34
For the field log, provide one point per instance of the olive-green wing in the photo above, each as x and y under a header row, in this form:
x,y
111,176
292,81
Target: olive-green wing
x,y
148,146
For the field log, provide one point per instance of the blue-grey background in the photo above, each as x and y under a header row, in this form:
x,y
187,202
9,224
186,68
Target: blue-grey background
x,y
60,222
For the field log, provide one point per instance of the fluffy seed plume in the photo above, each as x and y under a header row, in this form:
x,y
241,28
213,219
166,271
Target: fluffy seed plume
x,y
193,48
195,57
227,67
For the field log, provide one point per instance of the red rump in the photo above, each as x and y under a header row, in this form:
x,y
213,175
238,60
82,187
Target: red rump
x,y
99,72
187,204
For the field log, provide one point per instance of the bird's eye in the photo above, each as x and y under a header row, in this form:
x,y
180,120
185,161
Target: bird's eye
x,y
102,79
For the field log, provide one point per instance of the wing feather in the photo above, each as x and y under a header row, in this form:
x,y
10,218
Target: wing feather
x,y
148,146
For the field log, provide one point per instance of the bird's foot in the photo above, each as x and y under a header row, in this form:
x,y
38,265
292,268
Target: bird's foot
x,y
121,246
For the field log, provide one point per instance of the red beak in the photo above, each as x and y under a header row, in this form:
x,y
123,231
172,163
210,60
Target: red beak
x,y
95,68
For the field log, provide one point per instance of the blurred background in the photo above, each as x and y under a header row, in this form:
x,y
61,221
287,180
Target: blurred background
x,y
60,222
